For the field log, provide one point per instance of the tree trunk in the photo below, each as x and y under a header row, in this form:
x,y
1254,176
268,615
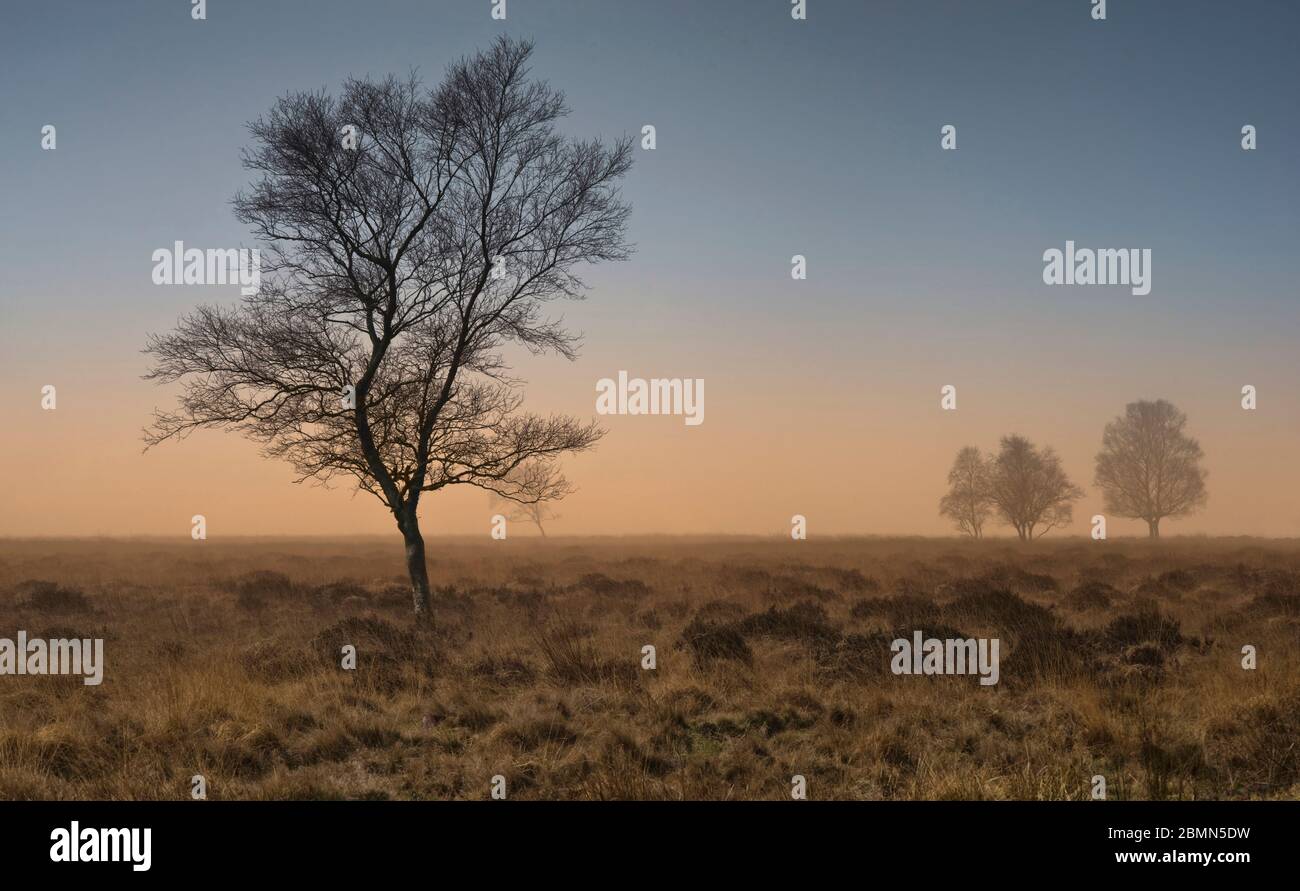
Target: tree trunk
x,y
1153,527
419,572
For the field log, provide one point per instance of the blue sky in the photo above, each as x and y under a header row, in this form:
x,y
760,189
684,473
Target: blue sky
x,y
775,137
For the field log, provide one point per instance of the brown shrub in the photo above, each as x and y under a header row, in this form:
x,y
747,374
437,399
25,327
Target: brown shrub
x,y
784,587
710,642
274,661
51,597
599,583
720,611
1091,595
254,590
1258,743
805,622
384,653
902,610
572,658
859,657
1143,627
1001,609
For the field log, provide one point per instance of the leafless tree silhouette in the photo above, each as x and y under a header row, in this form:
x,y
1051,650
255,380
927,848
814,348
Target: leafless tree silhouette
x,y
538,485
1030,489
969,501
1148,468
400,266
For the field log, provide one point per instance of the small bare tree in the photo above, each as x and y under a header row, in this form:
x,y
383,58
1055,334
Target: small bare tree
x,y
412,235
969,501
1030,489
1148,468
533,490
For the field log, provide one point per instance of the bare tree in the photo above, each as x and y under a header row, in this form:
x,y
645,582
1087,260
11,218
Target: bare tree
x,y
1148,468
401,264
969,501
1030,488
536,486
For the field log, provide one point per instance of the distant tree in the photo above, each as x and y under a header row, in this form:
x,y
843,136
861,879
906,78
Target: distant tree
x,y
1030,489
533,490
1148,468
412,235
969,501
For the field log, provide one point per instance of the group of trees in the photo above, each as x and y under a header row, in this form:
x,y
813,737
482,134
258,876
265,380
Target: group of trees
x,y
1022,485
1148,469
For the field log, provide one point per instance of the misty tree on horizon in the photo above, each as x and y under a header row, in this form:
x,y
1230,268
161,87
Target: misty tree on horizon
x,y
1148,468
540,484
399,268
969,502
1024,485
1030,488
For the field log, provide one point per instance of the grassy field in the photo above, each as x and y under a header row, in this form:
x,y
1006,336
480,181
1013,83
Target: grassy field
x,y
1120,658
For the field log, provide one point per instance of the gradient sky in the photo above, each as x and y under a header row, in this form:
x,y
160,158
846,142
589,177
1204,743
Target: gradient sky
x,y
775,137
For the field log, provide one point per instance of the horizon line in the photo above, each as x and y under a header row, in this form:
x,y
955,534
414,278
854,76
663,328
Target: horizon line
x,y
610,536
